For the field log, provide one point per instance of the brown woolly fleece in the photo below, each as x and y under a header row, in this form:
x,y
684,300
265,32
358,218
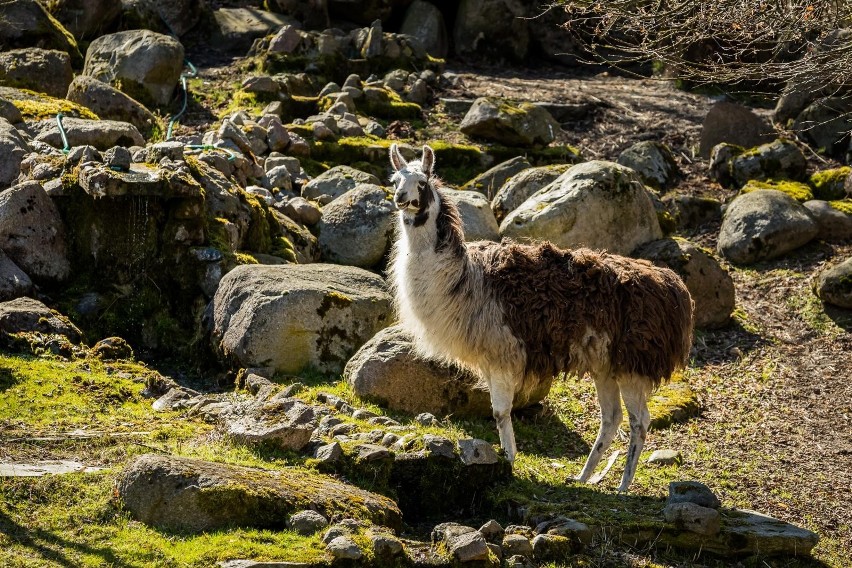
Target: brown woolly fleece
x,y
552,297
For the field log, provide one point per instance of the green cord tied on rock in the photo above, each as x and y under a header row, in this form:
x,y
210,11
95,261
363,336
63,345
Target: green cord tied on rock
x,y
59,118
193,72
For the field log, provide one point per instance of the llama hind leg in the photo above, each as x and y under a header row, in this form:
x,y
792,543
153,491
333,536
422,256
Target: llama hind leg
x,y
502,395
635,391
610,404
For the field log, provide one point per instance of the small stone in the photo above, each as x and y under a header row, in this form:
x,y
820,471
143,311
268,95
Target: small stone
x,y
492,531
439,446
389,439
372,452
694,518
112,349
468,547
426,419
334,532
169,400
548,547
473,451
692,492
118,158
307,522
665,457
517,544
344,548
518,561
384,544
363,414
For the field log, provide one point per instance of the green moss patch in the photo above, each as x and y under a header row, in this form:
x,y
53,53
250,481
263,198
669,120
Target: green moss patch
x,y
37,106
842,205
799,191
828,185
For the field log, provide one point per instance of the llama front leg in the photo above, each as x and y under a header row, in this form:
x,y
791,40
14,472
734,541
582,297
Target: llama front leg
x,y
610,404
635,392
502,395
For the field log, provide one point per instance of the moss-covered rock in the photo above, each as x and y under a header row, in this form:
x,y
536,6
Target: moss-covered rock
x,y
829,184
36,106
799,191
512,124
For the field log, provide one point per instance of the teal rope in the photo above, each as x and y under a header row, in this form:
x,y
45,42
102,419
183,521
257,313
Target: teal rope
x,y
183,76
67,148
231,155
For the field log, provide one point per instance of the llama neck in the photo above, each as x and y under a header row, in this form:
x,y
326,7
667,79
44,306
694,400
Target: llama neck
x,y
434,229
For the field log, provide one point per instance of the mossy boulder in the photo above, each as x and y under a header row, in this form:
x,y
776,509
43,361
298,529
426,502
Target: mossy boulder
x,y
194,495
36,106
653,161
42,70
335,182
830,184
522,186
799,191
834,285
512,124
490,182
110,103
834,219
734,166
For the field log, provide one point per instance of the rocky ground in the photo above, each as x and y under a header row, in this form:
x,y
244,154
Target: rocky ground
x,y
274,417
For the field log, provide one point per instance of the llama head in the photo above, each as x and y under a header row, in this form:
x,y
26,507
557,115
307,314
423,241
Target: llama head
x,y
411,181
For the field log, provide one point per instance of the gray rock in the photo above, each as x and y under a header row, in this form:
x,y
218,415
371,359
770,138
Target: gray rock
x,y
473,451
385,544
307,522
477,217
733,123
41,70
692,492
173,150
386,367
654,163
236,28
285,40
523,124
596,204
28,315
465,544
14,282
344,548
329,453
424,22
13,148
492,530
756,533
82,154
337,181
142,64
834,225
102,134
118,158
489,182
710,285
426,419
517,544
691,212
521,186
32,232
694,518
733,167
439,446
762,225
303,211
825,125
26,23
10,112
356,229
665,457
834,285
194,495
495,28
580,534
290,317
171,400
285,424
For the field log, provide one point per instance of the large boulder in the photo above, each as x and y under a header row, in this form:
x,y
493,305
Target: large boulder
x,y
492,28
335,182
710,285
834,224
825,125
734,166
27,315
522,186
388,370
477,218
13,149
41,70
357,227
175,17
101,134
522,124
293,317
142,64
763,225
595,204
733,123
26,23
109,103
195,495
654,163
237,28
32,232
86,19
424,22
834,285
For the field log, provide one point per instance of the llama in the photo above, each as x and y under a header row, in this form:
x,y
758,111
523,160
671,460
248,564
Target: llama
x,y
517,315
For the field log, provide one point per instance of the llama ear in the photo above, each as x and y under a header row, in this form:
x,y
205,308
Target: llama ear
x,y
396,158
428,160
